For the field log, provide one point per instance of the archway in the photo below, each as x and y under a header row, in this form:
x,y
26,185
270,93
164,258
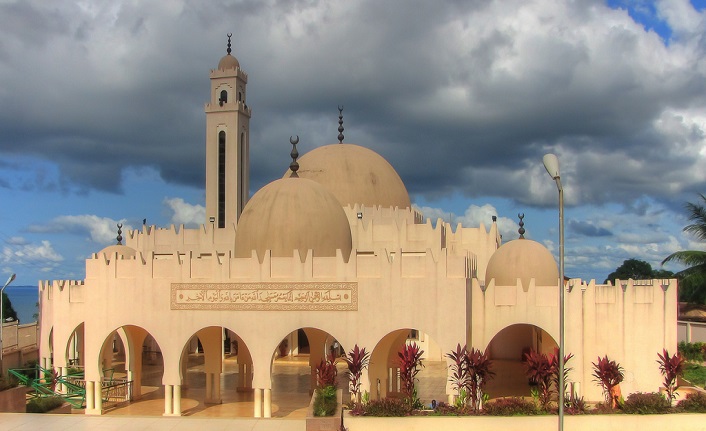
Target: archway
x,y
506,350
293,369
216,374
383,371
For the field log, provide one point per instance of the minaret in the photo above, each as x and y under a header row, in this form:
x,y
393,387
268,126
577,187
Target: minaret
x,y
227,143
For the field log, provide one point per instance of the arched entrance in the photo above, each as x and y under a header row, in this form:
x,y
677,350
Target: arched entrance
x,y
384,366
506,350
131,367
293,369
216,374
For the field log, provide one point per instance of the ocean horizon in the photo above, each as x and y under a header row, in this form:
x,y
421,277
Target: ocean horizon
x,y
24,300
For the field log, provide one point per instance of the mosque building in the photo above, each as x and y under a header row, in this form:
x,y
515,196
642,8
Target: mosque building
x,y
332,253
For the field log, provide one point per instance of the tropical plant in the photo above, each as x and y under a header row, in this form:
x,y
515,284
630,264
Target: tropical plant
x,y
470,372
326,372
325,401
608,374
514,406
694,403
357,360
410,362
694,259
671,367
692,351
540,371
554,360
649,403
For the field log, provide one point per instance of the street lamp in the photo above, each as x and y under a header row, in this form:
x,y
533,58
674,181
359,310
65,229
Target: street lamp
x,y
2,320
551,163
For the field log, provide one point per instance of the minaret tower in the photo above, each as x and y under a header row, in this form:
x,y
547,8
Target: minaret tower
x,y
227,143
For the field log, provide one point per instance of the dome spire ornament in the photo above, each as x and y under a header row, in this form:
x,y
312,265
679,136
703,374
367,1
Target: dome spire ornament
x,y
521,230
229,50
120,234
294,166
340,124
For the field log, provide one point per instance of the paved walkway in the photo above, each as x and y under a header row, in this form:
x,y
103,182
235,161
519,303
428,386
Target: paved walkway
x,y
78,422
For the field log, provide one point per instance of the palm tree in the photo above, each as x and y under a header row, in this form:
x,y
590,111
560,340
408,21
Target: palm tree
x,y
695,260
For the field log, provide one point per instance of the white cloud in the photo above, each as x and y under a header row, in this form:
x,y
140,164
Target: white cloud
x,y
101,230
41,257
473,217
185,213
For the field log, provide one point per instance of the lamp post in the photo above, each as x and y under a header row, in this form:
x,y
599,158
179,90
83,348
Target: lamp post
x,y
551,163
2,321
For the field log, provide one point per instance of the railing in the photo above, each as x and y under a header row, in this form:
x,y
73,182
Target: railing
x,y
72,387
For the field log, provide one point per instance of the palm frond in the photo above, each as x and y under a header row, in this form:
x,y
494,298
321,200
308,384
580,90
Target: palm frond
x,y
687,257
697,214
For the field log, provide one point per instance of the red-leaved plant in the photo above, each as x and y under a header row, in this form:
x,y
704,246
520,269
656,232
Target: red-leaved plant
x,y
410,362
608,374
357,360
671,368
471,371
554,359
539,370
544,371
326,372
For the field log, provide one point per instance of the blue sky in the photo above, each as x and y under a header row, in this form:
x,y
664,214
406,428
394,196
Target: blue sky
x,y
101,113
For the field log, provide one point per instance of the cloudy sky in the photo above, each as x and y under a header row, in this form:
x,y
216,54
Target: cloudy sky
x,y
101,114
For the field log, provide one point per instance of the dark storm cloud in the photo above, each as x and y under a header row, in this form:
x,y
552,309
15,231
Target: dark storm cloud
x,y
586,229
459,96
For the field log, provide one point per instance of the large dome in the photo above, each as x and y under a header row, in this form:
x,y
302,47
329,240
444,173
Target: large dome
x,y
355,175
122,250
524,259
293,214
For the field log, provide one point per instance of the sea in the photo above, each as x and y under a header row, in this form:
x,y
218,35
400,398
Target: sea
x,y
24,300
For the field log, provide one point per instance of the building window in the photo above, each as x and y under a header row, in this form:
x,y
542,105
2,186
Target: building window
x,y
224,97
221,179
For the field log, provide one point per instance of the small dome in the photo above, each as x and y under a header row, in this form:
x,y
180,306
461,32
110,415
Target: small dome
x,y
524,259
293,214
122,250
228,62
355,175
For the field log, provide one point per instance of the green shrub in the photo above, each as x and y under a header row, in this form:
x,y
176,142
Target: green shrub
x,y
693,403
695,373
513,406
646,403
43,405
387,407
692,351
325,401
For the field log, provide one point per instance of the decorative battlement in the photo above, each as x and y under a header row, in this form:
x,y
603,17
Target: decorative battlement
x,y
238,104
228,73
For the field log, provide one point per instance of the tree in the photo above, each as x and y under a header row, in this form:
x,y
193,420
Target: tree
x,y
633,268
7,310
693,277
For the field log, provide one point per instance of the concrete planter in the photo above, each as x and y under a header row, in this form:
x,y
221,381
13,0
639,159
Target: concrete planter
x,y
328,423
616,422
13,400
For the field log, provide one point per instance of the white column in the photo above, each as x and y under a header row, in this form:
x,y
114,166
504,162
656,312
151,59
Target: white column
x,y
217,388
267,407
99,398
168,400
90,397
258,402
177,400
209,387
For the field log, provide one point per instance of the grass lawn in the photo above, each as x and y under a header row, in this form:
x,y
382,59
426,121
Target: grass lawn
x,y
695,373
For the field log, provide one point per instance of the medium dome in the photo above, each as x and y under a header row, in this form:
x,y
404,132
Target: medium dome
x,y
293,214
524,259
228,62
355,175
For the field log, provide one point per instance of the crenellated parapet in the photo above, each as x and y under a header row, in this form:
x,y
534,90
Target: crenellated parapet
x,y
203,239
221,267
